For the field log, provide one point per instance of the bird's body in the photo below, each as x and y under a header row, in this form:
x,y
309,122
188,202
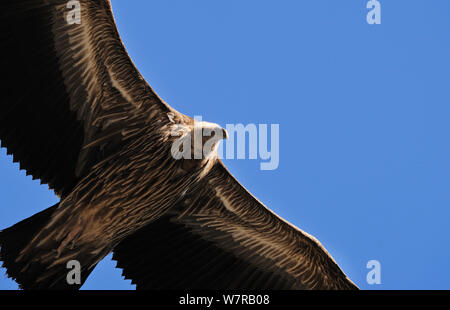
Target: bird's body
x,y
141,181
89,125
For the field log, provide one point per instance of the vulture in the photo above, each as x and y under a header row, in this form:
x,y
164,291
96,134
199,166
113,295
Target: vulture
x,y
76,114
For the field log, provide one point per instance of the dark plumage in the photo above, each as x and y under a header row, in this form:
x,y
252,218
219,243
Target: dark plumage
x,y
77,115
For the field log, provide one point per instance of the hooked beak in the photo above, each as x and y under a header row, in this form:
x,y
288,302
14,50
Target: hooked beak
x,y
225,133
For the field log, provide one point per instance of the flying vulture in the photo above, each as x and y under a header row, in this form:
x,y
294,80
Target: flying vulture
x,y
76,114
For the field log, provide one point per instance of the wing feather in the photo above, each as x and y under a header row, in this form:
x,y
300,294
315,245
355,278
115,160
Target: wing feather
x,y
70,92
222,237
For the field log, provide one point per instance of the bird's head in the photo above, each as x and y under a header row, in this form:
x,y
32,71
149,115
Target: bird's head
x,y
206,137
198,140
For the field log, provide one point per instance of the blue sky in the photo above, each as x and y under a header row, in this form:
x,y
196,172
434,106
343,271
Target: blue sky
x,y
363,113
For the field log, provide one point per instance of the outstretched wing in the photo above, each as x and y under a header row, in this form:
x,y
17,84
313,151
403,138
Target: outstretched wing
x,y
70,94
222,237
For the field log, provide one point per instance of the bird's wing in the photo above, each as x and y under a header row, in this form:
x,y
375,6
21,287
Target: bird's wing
x,y
222,237
70,93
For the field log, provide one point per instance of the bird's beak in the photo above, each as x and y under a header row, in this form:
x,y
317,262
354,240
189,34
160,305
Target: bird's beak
x,y
225,133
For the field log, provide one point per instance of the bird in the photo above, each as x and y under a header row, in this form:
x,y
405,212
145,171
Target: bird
x,y
77,115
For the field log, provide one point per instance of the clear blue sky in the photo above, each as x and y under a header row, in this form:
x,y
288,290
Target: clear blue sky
x,y
363,112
